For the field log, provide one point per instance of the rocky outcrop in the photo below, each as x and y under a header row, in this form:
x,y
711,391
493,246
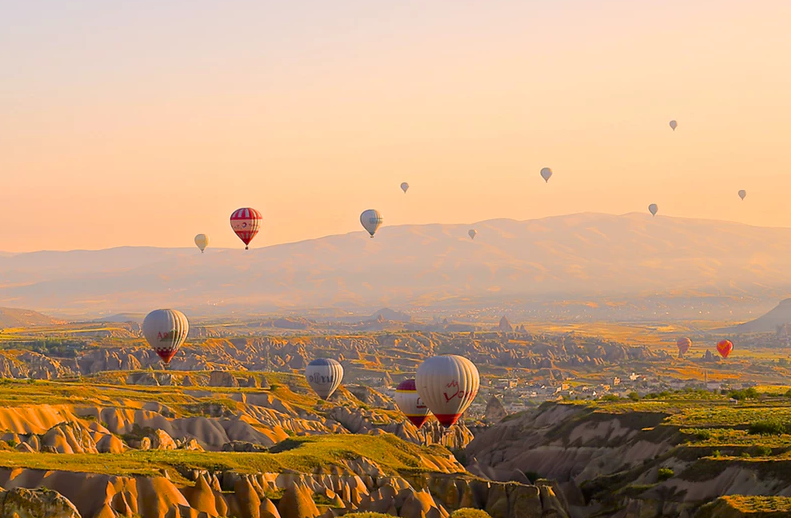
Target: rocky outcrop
x,y
495,411
35,503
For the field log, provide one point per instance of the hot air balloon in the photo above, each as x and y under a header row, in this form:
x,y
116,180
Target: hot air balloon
x,y
447,384
742,194
472,233
371,220
246,222
405,187
324,376
165,330
409,402
653,209
202,240
673,125
546,174
724,347
683,344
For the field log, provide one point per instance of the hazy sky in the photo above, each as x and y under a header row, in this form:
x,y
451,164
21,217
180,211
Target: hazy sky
x,y
145,122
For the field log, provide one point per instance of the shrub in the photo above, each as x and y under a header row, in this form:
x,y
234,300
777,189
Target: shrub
x,y
665,473
741,395
610,397
469,513
762,451
634,396
769,427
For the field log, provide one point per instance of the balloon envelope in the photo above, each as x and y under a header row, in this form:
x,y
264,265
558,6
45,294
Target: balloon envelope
x,y
472,233
742,194
724,347
683,344
409,402
673,125
324,376
371,221
166,330
202,241
245,222
653,209
546,174
405,187
447,384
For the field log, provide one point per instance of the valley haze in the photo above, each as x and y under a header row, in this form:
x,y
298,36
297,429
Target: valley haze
x,y
646,266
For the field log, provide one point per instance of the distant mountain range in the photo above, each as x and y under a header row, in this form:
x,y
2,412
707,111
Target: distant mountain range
x,y
580,255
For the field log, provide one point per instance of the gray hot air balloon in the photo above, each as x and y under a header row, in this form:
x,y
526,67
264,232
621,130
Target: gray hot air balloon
x,y
673,125
405,187
324,376
166,330
742,194
472,233
546,174
653,209
371,220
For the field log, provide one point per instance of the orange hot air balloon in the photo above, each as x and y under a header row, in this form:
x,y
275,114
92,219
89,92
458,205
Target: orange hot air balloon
x,y
683,344
724,347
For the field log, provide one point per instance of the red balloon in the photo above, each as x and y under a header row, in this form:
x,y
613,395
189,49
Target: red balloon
x,y
246,222
683,344
724,347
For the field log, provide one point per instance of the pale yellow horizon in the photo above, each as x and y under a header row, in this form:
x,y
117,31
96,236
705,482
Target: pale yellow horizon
x,y
147,124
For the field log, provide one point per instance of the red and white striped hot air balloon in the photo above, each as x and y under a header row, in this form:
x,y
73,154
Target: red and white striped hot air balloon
x,y
447,384
246,222
409,402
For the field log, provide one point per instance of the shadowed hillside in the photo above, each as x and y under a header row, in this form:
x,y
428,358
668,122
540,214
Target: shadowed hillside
x,y
778,317
582,254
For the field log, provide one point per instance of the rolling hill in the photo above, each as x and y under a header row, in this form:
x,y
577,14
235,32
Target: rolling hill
x,y
580,255
13,317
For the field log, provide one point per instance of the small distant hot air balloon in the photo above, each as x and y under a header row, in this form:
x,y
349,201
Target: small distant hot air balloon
x,y
324,376
472,233
653,209
742,194
371,220
202,240
724,347
673,125
683,344
546,174
166,330
409,402
246,222
405,187
447,384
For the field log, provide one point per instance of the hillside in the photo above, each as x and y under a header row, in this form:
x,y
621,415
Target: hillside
x,y
768,323
420,265
13,317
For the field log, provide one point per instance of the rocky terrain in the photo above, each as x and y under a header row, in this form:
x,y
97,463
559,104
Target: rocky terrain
x,y
121,348
107,449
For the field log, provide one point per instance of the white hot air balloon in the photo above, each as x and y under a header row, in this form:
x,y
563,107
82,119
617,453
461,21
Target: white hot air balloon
x,y
653,209
472,233
371,220
409,402
202,241
546,174
673,125
405,187
324,376
742,194
447,384
166,330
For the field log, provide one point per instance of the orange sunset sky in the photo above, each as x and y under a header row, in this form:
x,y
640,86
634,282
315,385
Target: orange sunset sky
x,y
146,122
